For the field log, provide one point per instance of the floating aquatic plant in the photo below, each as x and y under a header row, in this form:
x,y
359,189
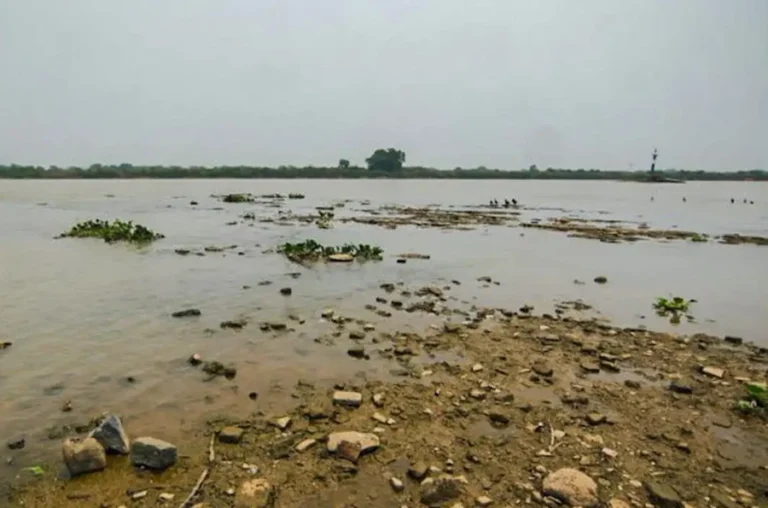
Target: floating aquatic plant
x,y
310,250
673,308
111,232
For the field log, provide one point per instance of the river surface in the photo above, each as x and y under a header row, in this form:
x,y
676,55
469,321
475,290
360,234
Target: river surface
x,y
83,316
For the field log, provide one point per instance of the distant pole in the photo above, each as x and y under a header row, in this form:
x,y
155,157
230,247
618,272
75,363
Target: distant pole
x,y
653,164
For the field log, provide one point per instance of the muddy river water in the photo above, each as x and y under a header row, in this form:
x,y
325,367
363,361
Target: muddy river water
x,y
84,316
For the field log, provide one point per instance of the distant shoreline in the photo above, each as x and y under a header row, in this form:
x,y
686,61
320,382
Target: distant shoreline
x,y
130,172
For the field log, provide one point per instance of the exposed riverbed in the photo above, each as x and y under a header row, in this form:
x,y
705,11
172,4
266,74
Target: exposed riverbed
x,y
84,316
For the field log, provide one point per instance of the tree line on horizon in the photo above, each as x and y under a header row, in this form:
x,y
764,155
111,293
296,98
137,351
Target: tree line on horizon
x,y
383,163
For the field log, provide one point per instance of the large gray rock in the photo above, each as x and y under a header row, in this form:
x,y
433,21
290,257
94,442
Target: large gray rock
x,y
572,487
83,456
112,436
152,453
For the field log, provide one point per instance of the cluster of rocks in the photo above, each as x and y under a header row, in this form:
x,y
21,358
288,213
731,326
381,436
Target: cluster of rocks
x,y
89,454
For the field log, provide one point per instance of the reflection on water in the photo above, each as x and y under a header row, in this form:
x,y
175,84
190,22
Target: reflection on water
x,y
85,316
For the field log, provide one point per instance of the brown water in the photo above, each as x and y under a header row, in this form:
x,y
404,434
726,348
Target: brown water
x,y
84,315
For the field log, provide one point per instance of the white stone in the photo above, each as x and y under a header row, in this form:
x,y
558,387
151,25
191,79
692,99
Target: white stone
x,y
351,399
256,493
165,496
610,453
484,501
397,484
306,445
366,442
714,372
477,367
283,423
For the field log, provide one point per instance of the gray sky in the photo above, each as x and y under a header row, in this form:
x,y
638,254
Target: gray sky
x,y
500,83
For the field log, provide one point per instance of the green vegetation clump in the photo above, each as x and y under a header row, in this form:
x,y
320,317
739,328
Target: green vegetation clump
x,y
755,400
111,232
673,308
697,237
310,250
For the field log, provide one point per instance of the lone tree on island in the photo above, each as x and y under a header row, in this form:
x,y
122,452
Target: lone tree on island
x,y
343,163
388,160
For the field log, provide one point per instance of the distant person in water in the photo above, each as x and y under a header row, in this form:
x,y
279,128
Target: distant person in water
x,y
506,203
684,200
745,200
514,202
751,202
652,198
733,201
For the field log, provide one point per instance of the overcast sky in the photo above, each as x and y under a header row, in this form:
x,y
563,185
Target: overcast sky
x,y
499,83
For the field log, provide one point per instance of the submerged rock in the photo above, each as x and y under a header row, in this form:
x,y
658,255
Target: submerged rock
x,y
111,435
152,453
84,456
230,435
16,443
186,313
572,487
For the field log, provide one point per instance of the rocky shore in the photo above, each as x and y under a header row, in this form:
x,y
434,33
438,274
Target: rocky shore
x,y
495,407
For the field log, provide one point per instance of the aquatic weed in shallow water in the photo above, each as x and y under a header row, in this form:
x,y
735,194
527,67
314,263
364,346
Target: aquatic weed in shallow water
x,y
111,232
310,250
672,307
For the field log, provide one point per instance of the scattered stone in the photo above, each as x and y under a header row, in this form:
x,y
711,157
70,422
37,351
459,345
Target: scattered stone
x,y
572,487
631,383
305,445
397,485
611,454
349,399
450,327
498,417
542,368
368,327
722,421
286,291
596,418
256,493
283,423
714,372
365,442
662,495
111,435
195,360
477,394
187,313
152,453
436,492
253,395
618,503
378,399
231,435
16,443
348,451
356,335
356,352
589,366
477,367
218,369
139,495
678,386
601,279
165,496
418,471
484,501
736,341
84,456
327,314
234,324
